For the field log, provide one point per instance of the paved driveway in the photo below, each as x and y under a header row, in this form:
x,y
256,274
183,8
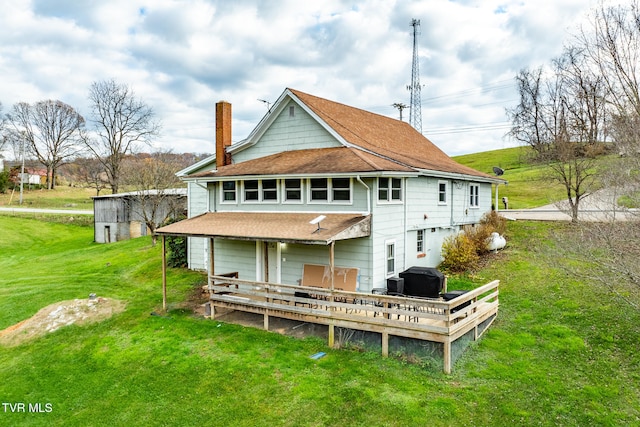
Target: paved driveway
x,y
597,206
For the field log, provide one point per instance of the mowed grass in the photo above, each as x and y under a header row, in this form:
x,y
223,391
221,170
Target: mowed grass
x,y
61,197
529,184
561,352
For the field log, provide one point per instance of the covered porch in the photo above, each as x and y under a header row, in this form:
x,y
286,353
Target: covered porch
x,y
327,300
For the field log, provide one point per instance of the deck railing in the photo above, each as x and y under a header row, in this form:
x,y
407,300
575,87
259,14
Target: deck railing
x,y
419,318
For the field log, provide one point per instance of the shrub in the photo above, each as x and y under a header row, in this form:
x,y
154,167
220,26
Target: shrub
x,y
460,253
4,181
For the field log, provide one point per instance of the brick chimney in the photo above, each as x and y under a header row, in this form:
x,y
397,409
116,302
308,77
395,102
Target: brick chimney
x,y
223,133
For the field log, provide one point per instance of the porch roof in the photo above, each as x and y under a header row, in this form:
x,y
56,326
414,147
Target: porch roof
x,y
273,226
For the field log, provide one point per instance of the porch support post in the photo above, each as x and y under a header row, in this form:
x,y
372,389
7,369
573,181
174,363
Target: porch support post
x,y
331,270
211,265
164,273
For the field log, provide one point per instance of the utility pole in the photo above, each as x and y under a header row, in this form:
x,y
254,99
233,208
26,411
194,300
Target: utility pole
x,y
400,107
415,111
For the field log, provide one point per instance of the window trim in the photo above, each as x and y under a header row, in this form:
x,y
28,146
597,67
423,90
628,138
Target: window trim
x,y
284,191
260,191
445,193
390,244
330,192
420,241
390,189
223,191
474,199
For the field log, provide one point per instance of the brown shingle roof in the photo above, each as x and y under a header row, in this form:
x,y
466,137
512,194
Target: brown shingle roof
x,y
311,161
391,138
282,227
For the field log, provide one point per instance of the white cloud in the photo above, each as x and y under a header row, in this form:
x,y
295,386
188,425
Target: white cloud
x,y
183,56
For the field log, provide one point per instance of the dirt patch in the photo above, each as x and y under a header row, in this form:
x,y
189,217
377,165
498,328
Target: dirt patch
x,y
58,315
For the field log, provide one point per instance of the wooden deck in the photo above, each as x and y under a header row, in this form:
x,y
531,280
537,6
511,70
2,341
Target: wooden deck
x,y
425,319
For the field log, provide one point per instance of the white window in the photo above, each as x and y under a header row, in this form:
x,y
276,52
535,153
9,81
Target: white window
x,y
389,189
330,190
261,190
420,241
319,189
269,190
442,192
251,191
341,189
292,190
229,191
390,257
474,195
292,111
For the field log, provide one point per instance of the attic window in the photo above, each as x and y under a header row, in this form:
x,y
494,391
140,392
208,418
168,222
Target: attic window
x,y
292,111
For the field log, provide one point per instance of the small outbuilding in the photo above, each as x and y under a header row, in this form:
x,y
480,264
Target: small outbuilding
x,y
125,216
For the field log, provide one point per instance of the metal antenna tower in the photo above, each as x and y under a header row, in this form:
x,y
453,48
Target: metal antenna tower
x,y
415,110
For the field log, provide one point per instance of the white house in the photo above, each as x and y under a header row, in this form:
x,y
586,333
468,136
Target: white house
x,y
318,182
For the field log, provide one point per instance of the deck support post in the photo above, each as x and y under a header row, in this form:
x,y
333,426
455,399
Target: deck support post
x,y
447,356
164,273
385,344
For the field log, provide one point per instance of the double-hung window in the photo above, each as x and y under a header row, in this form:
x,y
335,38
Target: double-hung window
x,y
389,189
474,195
390,253
341,189
251,191
330,189
292,190
269,190
228,191
420,241
442,193
319,189
265,190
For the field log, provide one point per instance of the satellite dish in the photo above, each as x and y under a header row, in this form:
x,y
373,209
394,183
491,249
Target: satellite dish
x,y
498,171
317,221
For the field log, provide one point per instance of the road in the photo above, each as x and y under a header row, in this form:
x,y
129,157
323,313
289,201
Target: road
x,y
47,211
597,206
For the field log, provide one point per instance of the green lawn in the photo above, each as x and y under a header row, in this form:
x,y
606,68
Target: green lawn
x,y
528,185
560,352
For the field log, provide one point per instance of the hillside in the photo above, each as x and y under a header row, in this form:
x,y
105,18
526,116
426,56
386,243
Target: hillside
x,y
526,188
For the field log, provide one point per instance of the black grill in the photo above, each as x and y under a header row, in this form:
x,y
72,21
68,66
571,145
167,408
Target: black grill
x,y
422,282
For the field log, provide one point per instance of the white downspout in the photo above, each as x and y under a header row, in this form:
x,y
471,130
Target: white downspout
x,y
368,194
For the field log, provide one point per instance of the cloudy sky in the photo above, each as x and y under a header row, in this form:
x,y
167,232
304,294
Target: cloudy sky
x,y
181,57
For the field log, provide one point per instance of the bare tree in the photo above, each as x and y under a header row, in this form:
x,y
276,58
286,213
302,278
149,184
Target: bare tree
x,y
156,197
52,131
121,122
561,117
91,172
3,137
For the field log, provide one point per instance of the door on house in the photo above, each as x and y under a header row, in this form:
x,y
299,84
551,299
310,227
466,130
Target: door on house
x,y
107,234
269,259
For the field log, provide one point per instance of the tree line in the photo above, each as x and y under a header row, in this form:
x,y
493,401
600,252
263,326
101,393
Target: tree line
x,y
101,146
